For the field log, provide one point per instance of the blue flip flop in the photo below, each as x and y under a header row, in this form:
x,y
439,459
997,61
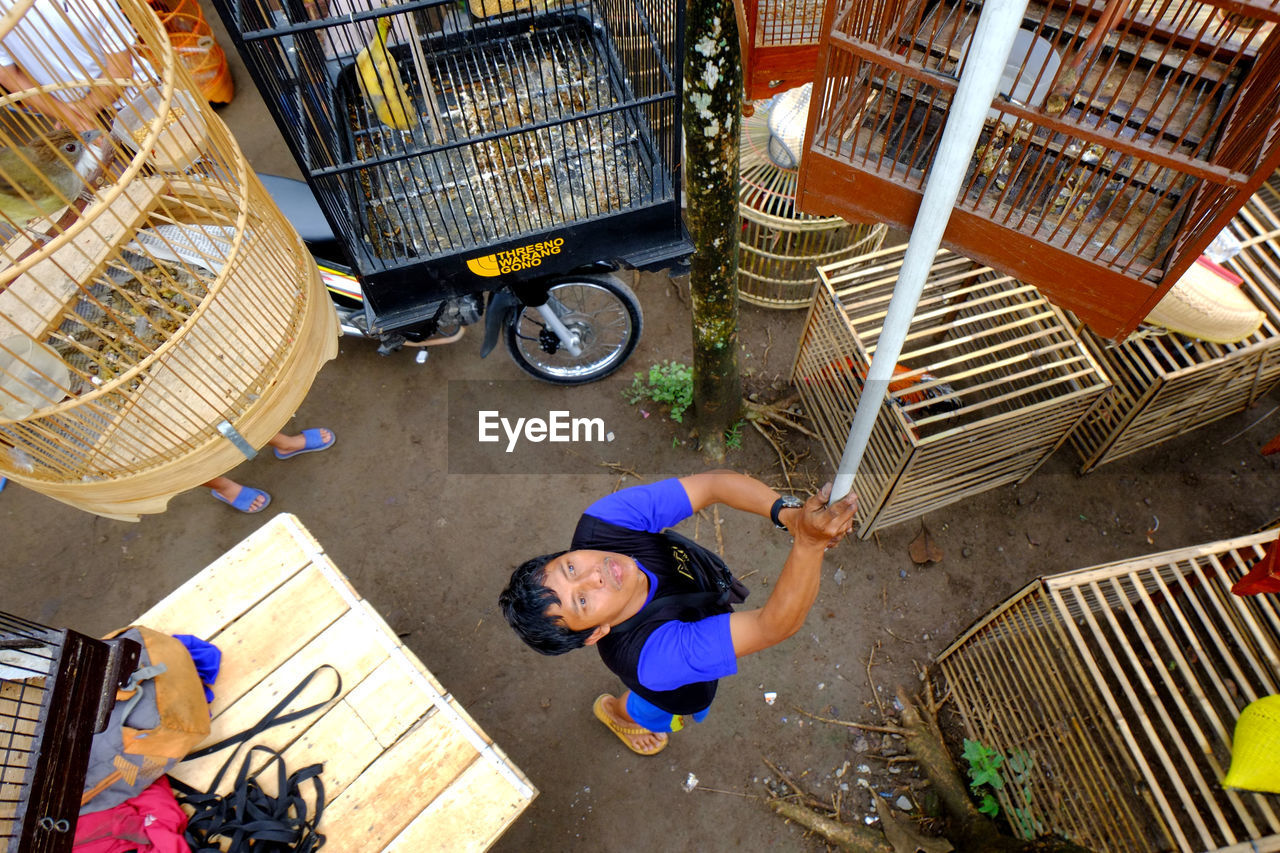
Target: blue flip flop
x,y
245,499
314,443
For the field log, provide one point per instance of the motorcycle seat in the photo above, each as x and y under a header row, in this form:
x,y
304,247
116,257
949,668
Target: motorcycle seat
x,y
299,205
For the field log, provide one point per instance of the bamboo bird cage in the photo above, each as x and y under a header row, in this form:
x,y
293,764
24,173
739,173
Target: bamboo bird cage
x,y
1125,136
779,40
990,381
159,318
1115,691
1165,385
780,248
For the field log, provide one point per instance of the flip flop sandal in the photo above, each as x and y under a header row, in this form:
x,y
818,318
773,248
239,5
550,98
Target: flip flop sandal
x,y
245,499
622,730
314,443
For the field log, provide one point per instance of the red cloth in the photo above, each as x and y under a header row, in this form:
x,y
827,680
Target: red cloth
x,y
151,822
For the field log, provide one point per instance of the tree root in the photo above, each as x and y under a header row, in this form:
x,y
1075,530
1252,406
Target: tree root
x,y
842,835
777,414
970,830
774,417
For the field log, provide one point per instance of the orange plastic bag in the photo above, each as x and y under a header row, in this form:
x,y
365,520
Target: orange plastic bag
x,y
196,47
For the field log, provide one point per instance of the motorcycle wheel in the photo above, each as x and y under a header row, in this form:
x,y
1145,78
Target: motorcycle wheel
x,y
600,308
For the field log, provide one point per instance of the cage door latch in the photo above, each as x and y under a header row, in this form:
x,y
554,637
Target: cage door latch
x,y
232,435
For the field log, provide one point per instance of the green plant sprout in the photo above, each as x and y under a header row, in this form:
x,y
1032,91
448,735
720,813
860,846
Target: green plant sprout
x,y
733,436
670,382
990,771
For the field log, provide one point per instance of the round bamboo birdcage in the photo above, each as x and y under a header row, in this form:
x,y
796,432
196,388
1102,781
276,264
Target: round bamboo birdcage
x,y
781,248
159,317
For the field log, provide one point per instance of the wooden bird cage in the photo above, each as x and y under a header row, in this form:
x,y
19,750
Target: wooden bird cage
x,y
1115,691
780,248
989,382
1165,385
57,689
161,310
1126,136
779,40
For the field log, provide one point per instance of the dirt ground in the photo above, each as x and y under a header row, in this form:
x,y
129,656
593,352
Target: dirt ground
x,y
399,505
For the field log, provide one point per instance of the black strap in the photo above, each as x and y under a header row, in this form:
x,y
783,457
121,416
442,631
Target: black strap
x,y
272,717
683,599
249,817
254,821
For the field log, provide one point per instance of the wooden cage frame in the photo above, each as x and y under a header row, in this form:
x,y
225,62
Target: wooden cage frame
x,y
779,40
1118,686
781,248
167,415
1103,195
990,381
1166,385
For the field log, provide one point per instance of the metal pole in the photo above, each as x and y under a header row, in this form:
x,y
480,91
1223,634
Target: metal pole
x,y
979,84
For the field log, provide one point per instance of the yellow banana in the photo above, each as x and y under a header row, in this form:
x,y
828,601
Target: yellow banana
x,y
380,82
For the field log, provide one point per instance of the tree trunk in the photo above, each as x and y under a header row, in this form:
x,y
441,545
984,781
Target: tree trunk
x,y
712,116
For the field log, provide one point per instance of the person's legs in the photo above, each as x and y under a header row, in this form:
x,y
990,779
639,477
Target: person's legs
x,y
229,491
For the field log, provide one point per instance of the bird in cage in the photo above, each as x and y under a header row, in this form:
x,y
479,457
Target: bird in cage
x,y
380,82
45,175
1061,95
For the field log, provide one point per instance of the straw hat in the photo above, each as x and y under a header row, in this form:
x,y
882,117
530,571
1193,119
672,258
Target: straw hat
x,y
1207,303
1256,747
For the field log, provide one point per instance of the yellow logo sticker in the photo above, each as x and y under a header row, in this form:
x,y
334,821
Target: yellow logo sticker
x,y
514,260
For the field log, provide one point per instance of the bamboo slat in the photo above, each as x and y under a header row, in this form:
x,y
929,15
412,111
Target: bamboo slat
x,y
1146,664
990,381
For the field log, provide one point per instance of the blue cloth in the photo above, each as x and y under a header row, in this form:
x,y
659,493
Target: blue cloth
x,y
208,660
654,718
677,653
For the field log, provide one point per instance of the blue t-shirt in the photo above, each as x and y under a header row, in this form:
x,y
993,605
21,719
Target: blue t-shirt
x,y
677,653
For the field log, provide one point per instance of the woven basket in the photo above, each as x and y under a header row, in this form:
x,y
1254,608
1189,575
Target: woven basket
x,y
1255,749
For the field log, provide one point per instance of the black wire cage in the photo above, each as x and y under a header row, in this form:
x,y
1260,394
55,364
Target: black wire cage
x,y
449,143
57,688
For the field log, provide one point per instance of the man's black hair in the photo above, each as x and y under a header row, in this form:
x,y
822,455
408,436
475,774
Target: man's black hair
x,y
524,603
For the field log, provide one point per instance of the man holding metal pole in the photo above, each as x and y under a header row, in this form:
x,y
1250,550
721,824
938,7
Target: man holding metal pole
x,y
657,606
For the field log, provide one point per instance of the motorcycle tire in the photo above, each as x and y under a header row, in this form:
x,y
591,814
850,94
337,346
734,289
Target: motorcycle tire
x,y
600,308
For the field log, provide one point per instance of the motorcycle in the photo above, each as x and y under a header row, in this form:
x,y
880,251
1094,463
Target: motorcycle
x,y
567,329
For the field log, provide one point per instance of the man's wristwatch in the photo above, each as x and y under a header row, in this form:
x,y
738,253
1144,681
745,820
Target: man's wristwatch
x,y
784,502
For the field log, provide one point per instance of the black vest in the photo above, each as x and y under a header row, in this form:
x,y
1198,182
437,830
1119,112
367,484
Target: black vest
x,y
620,650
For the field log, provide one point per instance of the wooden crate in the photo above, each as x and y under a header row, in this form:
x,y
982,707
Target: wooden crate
x,y
405,766
1099,187
779,40
781,248
1165,385
1117,688
991,379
